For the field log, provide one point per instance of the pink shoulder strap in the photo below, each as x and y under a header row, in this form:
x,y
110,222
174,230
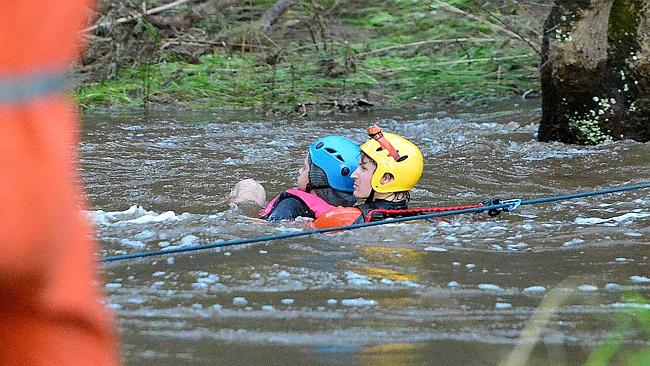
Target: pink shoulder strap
x,y
316,204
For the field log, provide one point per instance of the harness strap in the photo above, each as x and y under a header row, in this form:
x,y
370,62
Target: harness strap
x,y
416,211
28,87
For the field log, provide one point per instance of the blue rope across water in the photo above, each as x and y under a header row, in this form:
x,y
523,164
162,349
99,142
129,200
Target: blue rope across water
x,y
508,205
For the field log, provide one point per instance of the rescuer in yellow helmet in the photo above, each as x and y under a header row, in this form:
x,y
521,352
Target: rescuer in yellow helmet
x,y
389,167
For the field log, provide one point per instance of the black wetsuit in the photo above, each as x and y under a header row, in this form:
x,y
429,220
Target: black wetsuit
x,y
382,204
288,208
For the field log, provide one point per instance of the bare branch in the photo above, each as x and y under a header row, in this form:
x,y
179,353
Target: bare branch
x,y
334,9
456,10
457,62
138,16
516,32
274,13
452,40
201,11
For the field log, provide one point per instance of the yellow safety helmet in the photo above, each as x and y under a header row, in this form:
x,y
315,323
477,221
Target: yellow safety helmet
x,y
395,155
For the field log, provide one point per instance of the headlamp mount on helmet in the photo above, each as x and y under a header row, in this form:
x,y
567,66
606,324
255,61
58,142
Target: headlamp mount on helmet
x,y
393,155
375,133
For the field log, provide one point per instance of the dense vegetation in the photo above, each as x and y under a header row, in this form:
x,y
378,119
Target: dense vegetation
x,y
319,54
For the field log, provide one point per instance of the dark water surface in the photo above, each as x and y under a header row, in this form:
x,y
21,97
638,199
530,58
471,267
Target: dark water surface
x,y
452,292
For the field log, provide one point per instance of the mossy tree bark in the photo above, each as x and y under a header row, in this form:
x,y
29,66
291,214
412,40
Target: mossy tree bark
x,y
595,71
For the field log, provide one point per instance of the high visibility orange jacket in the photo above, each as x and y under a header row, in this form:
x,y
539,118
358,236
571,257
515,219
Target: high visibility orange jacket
x,y
50,309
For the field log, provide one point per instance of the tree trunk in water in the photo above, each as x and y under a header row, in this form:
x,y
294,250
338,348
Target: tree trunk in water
x,y
595,71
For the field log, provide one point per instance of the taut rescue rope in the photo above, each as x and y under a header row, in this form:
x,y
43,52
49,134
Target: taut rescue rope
x,y
507,205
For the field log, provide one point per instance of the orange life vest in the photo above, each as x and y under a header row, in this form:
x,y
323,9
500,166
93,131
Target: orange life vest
x,y
339,216
49,298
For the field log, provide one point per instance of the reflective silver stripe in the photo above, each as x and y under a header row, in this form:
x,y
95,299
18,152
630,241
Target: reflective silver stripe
x,y
30,86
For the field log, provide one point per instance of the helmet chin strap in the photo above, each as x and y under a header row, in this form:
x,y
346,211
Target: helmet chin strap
x,y
310,187
371,196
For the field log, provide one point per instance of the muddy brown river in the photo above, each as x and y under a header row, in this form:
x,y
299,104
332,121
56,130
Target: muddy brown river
x,y
457,291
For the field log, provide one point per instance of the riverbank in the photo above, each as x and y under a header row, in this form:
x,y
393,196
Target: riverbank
x,y
320,55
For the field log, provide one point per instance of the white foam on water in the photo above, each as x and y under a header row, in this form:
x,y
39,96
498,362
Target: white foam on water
x,y
616,219
134,215
409,284
489,287
283,274
360,301
210,279
188,240
535,289
572,242
136,210
132,243
435,249
200,286
639,279
239,301
498,228
631,306
145,234
503,305
515,247
588,288
136,300
146,219
451,238
357,279
98,217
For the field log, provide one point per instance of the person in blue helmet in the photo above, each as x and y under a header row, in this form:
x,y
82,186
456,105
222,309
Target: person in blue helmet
x,y
324,182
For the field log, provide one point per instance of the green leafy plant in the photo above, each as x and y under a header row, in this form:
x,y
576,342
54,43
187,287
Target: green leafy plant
x,y
632,323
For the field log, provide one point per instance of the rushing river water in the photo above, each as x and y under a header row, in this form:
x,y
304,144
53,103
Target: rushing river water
x,y
457,291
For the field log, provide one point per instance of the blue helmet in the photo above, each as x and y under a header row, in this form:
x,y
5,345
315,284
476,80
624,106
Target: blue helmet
x,y
338,157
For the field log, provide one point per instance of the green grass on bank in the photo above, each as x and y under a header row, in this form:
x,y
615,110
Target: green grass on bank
x,y
403,73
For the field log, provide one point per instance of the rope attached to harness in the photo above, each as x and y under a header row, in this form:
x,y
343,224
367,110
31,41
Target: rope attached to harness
x,y
415,211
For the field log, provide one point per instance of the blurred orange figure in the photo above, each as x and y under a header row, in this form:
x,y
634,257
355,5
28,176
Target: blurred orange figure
x,y
49,297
